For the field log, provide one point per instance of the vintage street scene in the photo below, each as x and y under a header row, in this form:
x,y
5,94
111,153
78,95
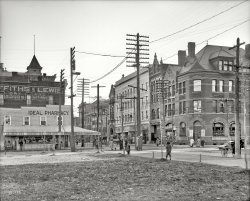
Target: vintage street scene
x,y
124,100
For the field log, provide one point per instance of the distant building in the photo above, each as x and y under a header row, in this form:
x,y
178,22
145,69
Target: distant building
x,y
125,109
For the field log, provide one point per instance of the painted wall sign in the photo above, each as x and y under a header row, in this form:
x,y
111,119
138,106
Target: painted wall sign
x,y
46,112
29,89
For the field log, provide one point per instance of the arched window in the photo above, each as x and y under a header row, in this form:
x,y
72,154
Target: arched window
x,y
182,129
153,114
218,129
232,129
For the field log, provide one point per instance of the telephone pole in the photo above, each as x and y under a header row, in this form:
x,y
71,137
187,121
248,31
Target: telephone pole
x,y
98,112
72,72
82,90
237,97
62,87
137,50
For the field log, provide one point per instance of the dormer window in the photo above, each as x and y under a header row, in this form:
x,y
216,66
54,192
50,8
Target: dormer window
x,y
225,65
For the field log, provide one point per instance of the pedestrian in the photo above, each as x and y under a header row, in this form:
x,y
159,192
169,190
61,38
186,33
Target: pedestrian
x,y
191,142
168,150
127,145
21,145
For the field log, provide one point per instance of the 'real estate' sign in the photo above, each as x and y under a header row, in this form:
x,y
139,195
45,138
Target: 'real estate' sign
x,y
19,91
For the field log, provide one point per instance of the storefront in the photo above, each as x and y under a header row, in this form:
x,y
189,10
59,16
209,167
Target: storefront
x,y
37,128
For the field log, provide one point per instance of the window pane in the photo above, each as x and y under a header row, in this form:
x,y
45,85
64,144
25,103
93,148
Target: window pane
x,y
221,85
220,65
213,85
197,85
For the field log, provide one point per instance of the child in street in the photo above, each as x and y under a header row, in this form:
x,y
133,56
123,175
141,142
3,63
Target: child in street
x,y
168,150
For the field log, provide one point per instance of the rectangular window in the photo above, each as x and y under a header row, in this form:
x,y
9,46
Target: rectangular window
x,y
28,99
59,120
230,85
197,85
180,88
184,87
184,107
169,110
230,66
215,106
1,99
173,109
7,120
43,121
225,66
220,65
197,105
221,85
180,107
26,121
51,100
214,86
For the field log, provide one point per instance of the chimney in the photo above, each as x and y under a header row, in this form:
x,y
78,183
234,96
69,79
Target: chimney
x,y
181,57
191,49
122,75
247,51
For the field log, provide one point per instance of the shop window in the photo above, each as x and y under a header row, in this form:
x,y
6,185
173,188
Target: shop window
x,y
43,121
7,120
1,99
58,120
182,129
218,129
26,121
197,105
197,85
28,99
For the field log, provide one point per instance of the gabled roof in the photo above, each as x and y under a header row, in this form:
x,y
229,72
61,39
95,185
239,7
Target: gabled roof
x,y
34,64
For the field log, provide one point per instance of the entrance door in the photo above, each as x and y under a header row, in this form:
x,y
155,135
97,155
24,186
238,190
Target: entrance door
x,y
197,130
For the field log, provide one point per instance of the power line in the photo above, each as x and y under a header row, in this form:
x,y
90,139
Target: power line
x,y
98,54
211,37
191,26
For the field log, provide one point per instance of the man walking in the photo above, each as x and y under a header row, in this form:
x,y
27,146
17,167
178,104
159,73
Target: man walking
x,y
168,150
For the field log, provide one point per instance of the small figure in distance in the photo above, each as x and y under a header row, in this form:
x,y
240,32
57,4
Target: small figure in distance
x,y
168,150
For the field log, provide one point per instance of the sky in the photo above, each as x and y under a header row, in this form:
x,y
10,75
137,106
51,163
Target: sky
x,y
101,27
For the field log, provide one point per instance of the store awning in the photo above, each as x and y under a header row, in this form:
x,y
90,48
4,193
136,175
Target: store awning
x,y
10,130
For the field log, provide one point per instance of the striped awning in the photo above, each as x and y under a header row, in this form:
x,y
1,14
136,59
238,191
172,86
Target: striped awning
x,y
10,130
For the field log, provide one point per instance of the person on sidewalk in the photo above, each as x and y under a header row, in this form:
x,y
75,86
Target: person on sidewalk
x,y
127,145
168,150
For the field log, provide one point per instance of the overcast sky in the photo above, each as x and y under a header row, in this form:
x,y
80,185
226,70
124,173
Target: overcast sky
x,y
101,27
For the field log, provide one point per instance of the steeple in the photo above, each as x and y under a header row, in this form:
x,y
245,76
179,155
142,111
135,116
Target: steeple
x,y
155,62
34,64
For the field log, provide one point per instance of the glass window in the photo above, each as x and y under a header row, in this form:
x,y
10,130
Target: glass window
x,y
169,110
158,113
180,107
197,105
153,114
218,129
7,120
28,99
43,121
215,106
230,86
222,107
225,66
230,66
220,65
173,109
184,107
232,129
221,85
51,100
184,87
180,88
197,85
214,82
26,121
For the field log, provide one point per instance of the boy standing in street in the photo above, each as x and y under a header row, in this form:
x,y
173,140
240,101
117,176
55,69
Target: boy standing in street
x,y
168,150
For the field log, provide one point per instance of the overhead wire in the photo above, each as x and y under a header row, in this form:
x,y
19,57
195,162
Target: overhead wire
x,y
193,25
211,37
98,54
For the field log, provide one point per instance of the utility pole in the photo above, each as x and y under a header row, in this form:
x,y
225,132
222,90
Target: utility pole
x,y
62,85
82,90
72,72
123,141
161,87
138,42
237,97
98,112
